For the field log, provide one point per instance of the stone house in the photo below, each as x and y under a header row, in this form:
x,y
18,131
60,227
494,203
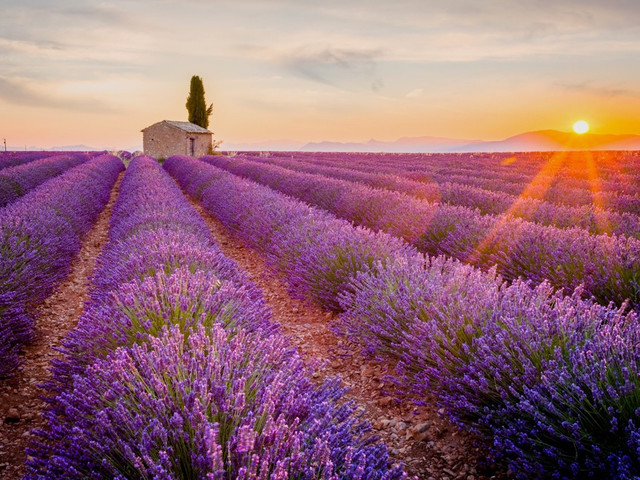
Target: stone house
x,y
166,138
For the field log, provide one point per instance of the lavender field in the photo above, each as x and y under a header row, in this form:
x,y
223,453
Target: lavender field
x,y
500,290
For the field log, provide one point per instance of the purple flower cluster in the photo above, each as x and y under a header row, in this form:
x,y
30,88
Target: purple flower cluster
x,y
544,189
176,370
545,376
39,235
589,217
12,159
293,235
125,155
553,381
608,267
571,178
608,180
19,180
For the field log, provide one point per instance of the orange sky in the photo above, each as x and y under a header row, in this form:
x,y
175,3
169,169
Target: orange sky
x,y
92,73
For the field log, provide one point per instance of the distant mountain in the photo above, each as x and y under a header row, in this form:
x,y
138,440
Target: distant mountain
x,y
542,140
546,140
402,145
272,145
76,148
72,148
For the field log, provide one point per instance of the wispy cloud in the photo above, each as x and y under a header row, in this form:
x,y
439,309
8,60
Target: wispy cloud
x,y
598,90
417,93
338,67
105,13
16,92
377,65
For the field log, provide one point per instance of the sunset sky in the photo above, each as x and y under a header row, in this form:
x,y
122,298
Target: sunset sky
x,y
96,73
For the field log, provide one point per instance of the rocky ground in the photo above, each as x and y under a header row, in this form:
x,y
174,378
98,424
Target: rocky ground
x,y
420,437
20,403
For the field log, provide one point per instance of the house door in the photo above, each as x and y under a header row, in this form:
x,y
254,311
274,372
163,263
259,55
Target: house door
x,y
192,146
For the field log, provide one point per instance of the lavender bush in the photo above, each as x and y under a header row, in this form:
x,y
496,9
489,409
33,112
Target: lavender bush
x,y
140,309
19,180
176,370
572,178
593,218
607,266
162,250
39,235
208,406
160,266
551,380
548,377
293,236
12,159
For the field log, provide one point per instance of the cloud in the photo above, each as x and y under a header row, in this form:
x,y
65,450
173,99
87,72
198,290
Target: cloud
x,y
529,16
338,67
377,85
15,92
319,65
101,13
68,11
599,90
417,93
62,23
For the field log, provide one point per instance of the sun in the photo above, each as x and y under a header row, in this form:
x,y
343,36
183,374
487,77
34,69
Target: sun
x,y
581,127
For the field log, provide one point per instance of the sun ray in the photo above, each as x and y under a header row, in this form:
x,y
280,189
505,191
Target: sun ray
x,y
536,188
595,186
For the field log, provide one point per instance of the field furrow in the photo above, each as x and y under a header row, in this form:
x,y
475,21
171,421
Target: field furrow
x,y
542,376
178,347
39,236
21,405
606,267
419,436
593,218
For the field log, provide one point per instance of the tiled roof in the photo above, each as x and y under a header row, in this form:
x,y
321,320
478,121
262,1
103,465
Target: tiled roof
x,y
185,126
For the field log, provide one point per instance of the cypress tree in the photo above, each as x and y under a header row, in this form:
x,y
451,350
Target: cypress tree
x,y
196,105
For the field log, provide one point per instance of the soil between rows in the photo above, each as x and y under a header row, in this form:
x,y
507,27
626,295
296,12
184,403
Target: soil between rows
x,y
430,446
20,403
420,437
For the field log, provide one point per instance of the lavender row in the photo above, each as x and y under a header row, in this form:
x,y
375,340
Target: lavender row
x,y
39,236
619,165
12,159
491,193
607,266
543,189
550,182
613,171
177,371
595,220
551,380
547,182
19,180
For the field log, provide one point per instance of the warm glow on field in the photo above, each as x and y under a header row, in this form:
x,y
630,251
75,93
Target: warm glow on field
x,y
581,127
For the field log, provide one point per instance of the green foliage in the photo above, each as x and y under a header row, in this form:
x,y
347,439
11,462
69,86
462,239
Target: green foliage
x,y
196,105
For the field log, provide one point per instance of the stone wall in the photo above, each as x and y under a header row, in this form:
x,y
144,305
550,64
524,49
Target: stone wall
x,y
202,144
162,141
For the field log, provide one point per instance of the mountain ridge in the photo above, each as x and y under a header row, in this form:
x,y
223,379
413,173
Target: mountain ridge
x,y
538,140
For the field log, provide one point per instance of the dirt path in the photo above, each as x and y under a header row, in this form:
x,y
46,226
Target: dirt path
x,y
428,444
20,403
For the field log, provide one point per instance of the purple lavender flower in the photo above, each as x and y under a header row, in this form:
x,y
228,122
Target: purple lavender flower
x,y
39,235
206,406
606,265
176,371
18,180
552,380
